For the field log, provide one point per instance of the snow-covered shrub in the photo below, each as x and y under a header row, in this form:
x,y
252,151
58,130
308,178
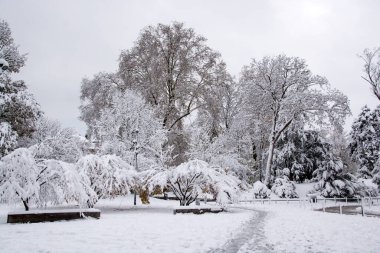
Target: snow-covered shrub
x,y
60,182
260,190
284,188
42,181
18,178
192,179
108,175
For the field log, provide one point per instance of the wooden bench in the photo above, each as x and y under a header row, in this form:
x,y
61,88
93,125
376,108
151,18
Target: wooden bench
x,y
199,210
51,215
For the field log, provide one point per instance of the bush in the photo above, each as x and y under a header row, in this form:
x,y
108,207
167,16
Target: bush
x,y
284,188
260,190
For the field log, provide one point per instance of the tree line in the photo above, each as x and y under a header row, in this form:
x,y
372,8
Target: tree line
x,y
172,104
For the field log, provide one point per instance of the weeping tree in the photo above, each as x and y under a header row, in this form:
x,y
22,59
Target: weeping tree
x,y
190,180
41,181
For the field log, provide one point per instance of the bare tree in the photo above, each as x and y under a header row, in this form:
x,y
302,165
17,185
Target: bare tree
x,y
371,60
282,90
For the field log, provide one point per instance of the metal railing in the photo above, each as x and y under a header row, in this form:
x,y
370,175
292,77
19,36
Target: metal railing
x,y
321,204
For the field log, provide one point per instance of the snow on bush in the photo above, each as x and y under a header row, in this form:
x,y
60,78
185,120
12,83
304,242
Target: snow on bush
x,y
108,175
18,178
193,179
42,182
260,190
60,182
284,188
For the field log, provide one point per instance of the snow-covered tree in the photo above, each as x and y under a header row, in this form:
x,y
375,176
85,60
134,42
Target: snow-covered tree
x,y
301,151
283,91
129,122
365,141
9,53
192,179
19,178
175,71
51,141
230,151
376,173
371,60
96,95
334,180
18,108
8,138
109,175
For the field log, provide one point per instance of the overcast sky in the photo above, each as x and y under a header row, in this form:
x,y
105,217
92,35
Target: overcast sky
x,y
69,40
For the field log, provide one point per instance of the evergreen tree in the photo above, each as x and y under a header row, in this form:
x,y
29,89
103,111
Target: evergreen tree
x,y
302,152
334,180
18,108
365,141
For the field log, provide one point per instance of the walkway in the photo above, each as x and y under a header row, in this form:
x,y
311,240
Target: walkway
x,y
251,238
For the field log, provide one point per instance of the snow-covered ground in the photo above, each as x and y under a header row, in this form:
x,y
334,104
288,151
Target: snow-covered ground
x,y
303,189
123,228
294,228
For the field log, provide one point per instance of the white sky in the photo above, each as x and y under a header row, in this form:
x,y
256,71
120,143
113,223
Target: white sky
x,y
69,40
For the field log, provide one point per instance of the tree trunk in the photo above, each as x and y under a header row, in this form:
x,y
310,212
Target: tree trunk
x,y
269,162
25,202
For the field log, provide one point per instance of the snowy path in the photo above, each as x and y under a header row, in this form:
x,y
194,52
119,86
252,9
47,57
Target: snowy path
x,y
251,238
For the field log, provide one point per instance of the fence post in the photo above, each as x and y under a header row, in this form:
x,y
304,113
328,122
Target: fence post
x,y
362,206
346,200
340,209
324,206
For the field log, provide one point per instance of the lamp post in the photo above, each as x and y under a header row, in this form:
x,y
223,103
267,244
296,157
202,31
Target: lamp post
x,y
135,134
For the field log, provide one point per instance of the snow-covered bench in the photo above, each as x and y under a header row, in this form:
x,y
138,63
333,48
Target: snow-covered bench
x,y
198,210
51,215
